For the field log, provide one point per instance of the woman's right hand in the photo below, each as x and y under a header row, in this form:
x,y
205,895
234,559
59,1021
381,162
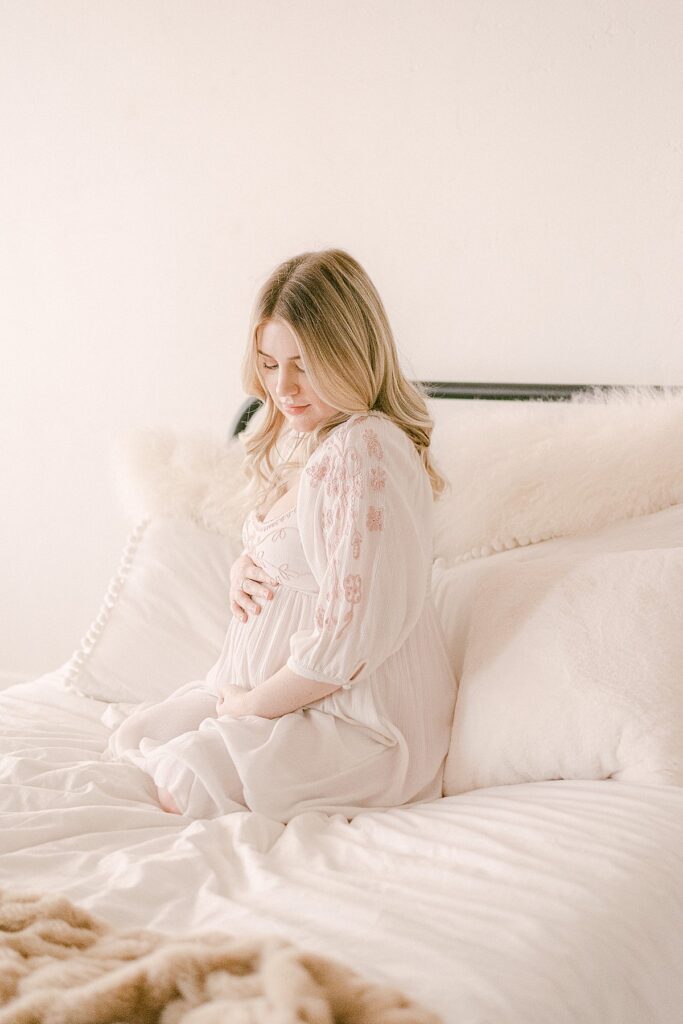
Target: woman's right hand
x,y
248,581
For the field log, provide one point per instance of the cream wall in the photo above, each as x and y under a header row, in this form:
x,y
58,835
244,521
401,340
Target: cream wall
x,y
508,171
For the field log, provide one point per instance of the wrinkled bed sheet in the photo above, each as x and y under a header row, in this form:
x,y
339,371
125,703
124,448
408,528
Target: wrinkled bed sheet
x,y
554,901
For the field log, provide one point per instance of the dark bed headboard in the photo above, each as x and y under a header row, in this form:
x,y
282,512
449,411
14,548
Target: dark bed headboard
x,y
454,389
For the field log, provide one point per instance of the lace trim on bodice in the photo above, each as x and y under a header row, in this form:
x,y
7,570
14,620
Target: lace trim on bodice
x,y
267,523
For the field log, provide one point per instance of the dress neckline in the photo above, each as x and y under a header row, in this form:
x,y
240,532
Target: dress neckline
x,y
281,515
269,522
275,519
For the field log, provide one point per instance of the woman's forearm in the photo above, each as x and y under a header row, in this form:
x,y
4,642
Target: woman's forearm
x,y
284,692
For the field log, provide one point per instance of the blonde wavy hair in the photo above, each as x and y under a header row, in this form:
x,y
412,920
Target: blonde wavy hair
x,y
328,301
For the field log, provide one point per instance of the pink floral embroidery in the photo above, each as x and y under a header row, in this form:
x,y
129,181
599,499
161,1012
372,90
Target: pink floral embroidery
x,y
377,478
328,520
346,475
346,621
375,518
352,589
328,622
318,471
373,445
335,590
285,573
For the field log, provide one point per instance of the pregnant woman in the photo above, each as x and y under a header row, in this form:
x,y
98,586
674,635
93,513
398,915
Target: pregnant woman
x,y
333,691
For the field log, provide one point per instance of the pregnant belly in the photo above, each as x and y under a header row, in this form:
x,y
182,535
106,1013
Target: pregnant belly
x,y
254,650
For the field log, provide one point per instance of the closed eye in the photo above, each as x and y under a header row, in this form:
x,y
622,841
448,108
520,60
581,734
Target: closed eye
x,y
266,366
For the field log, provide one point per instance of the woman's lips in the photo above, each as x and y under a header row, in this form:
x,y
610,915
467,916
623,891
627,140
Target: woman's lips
x,y
295,409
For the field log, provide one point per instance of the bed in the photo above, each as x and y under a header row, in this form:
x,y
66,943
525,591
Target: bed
x,y
547,883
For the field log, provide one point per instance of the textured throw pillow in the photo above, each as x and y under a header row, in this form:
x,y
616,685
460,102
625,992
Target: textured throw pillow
x,y
163,618
570,662
198,477
523,472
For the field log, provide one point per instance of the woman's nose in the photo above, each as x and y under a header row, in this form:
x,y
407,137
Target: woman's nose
x,y
286,385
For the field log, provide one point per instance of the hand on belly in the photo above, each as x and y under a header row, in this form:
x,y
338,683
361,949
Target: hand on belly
x,y
231,701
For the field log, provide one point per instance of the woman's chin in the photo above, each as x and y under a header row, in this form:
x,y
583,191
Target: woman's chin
x,y
301,421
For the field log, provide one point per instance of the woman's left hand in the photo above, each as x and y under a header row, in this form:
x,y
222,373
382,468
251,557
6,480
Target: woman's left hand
x,y
231,701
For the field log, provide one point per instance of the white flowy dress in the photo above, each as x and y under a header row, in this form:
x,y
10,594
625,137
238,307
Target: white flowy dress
x,y
353,559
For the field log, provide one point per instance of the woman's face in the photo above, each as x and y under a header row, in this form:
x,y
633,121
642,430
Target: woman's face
x,y
284,375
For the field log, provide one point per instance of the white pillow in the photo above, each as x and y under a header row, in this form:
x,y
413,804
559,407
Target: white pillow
x,y
164,617
454,587
569,659
523,472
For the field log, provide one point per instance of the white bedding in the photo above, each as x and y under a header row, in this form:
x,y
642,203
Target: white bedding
x,y
552,901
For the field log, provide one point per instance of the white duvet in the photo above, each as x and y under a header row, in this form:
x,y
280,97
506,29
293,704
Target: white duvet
x,y
527,904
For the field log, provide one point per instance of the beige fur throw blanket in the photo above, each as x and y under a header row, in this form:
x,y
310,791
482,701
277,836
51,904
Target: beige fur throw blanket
x,y
61,965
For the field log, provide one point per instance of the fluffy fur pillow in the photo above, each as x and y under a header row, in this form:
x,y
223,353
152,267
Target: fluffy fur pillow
x,y
520,472
196,477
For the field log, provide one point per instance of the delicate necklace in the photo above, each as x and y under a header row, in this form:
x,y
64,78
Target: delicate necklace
x,y
282,487
299,438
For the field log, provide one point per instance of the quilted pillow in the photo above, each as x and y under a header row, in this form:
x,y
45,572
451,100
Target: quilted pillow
x,y
569,660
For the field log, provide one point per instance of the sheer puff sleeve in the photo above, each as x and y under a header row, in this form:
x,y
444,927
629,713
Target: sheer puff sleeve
x,y
365,515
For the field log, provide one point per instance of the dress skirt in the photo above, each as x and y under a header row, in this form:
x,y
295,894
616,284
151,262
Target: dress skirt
x,y
305,760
